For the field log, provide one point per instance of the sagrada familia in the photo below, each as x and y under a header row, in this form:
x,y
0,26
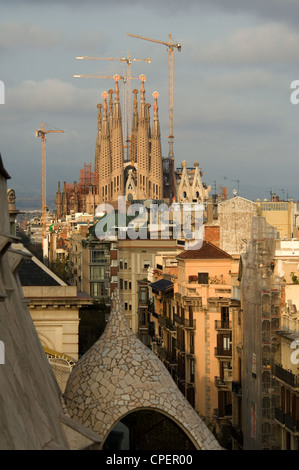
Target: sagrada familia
x,y
144,175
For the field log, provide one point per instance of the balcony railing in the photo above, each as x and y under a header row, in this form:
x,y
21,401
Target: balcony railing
x,y
286,375
166,323
223,325
181,374
185,322
221,352
167,355
223,412
287,420
180,346
291,423
220,383
279,415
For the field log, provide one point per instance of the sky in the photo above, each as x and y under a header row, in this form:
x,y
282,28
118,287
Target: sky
x,y
232,87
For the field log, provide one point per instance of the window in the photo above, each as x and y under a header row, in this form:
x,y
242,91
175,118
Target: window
x,y
121,284
226,343
97,272
224,317
143,295
143,317
120,264
146,264
126,305
203,278
97,289
125,264
130,285
126,285
98,256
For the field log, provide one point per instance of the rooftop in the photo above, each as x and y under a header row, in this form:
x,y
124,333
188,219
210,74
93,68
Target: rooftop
x,y
207,251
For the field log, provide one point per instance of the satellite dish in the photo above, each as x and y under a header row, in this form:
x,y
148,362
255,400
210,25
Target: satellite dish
x,y
235,192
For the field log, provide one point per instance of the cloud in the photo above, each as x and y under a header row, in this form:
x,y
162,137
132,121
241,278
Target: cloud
x,y
16,34
50,95
277,10
268,44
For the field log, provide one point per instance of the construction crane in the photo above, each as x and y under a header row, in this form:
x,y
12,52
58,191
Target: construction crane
x,y
41,132
126,91
170,45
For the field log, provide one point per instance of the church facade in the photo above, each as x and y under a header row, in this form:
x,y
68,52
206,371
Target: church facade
x,y
138,178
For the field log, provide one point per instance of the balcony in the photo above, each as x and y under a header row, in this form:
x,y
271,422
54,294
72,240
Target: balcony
x,y
279,415
180,346
185,322
166,355
221,352
291,423
287,420
225,412
286,376
181,375
228,375
166,323
223,325
220,383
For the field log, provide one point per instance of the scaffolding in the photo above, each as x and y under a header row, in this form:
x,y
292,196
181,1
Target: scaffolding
x,y
261,311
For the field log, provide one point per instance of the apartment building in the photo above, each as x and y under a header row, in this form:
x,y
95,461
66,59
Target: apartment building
x,y
192,329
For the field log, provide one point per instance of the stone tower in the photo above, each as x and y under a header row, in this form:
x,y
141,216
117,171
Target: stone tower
x,y
104,167
117,147
98,141
143,148
156,171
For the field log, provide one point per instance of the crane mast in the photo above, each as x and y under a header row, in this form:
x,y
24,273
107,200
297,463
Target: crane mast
x,y
41,132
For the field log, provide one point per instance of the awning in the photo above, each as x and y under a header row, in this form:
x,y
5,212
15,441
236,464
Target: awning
x,y
162,285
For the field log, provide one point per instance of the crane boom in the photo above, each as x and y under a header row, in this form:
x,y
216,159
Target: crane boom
x,y
170,46
177,45
41,132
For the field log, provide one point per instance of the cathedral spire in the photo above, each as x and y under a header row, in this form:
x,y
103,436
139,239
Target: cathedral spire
x,y
117,146
110,92
98,142
133,149
105,156
143,150
156,173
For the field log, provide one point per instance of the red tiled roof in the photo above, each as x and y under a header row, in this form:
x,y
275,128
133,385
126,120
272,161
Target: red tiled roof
x,y
207,251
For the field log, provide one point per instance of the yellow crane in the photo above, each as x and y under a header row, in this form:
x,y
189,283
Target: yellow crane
x,y
41,132
126,90
170,45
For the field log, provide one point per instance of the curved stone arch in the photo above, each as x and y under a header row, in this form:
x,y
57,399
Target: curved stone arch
x,y
45,341
171,417
119,375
